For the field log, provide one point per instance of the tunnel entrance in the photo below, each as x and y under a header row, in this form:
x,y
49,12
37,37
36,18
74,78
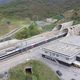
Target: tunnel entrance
x,y
59,27
65,31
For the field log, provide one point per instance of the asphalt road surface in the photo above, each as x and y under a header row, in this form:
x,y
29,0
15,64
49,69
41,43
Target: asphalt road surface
x,y
68,73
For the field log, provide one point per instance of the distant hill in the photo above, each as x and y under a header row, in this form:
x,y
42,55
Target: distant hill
x,y
37,9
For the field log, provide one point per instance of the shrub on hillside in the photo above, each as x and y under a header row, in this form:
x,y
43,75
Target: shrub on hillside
x,y
28,32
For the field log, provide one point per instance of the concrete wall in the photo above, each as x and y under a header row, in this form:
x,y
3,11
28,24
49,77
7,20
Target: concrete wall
x,y
59,56
63,28
69,28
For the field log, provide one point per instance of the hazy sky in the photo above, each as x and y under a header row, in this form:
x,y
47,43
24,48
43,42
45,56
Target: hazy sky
x,y
4,1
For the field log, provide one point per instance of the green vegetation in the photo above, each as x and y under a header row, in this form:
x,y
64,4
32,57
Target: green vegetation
x,y
8,24
3,30
76,16
28,32
14,21
18,13
37,9
40,72
71,15
58,17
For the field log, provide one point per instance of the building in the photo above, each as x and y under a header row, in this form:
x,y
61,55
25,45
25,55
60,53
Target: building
x,y
66,50
62,52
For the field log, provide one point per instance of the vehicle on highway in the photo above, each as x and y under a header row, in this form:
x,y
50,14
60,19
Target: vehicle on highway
x,y
59,73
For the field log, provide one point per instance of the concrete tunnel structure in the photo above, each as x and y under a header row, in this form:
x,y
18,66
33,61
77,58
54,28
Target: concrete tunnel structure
x,y
67,49
68,28
63,28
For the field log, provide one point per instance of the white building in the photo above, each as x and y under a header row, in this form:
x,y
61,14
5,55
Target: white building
x,y
62,52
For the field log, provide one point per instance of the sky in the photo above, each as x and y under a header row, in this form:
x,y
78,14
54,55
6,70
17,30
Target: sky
x,y
4,1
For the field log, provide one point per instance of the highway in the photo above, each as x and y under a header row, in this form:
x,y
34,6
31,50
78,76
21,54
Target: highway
x,y
29,43
35,53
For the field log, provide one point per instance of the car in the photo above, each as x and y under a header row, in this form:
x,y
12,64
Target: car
x,y
59,73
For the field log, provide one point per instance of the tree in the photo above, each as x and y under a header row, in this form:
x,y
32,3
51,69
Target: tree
x,y
34,30
22,34
28,32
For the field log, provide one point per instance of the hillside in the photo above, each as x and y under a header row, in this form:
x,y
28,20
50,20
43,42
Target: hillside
x,y
71,15
37,9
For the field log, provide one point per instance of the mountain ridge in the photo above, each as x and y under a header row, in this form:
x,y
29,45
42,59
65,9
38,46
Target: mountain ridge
x,y
38,8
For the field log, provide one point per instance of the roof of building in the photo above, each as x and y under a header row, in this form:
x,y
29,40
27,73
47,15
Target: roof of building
x,y
73,40
64,48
